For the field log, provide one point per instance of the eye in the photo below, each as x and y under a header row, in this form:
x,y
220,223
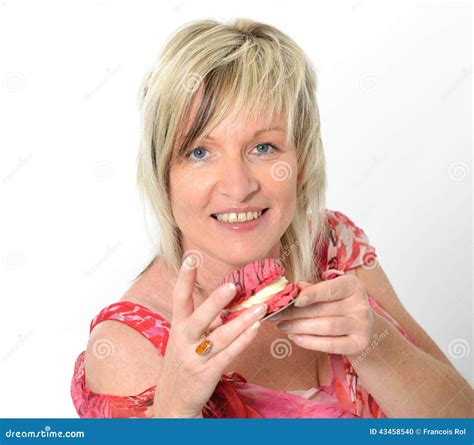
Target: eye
x,y
199,152
264,146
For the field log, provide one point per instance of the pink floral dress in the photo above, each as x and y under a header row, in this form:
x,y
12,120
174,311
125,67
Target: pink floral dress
x,y
347,248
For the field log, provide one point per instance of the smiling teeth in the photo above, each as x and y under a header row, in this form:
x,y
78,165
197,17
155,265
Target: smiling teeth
x,y
238,217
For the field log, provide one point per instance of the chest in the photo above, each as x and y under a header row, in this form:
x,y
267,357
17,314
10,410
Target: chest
x,y
274,361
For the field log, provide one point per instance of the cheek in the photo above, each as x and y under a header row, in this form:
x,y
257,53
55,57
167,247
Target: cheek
x,y
179,192
280,181
284,193
184,207
188,192
288,204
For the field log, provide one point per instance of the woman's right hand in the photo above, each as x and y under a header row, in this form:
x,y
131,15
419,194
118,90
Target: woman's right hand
x,y
187,379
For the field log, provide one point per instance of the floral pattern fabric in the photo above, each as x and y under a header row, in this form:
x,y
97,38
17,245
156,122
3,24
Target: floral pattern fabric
x,y
348,247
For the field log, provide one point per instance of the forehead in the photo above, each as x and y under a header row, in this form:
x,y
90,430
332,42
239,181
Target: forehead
x,y
236,119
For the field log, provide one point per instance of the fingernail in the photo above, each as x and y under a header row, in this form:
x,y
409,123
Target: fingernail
x,y
294,337
302,301
252,328
228,290
284,326
187,264
259,309
276,317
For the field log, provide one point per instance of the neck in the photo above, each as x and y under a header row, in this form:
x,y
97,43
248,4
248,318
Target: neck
x,y
213,270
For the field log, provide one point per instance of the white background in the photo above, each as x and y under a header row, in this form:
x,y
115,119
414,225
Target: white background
x,y
394,90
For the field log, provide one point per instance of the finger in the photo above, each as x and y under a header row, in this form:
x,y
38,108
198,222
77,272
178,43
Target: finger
x,y
320,309
336,289
221,360
302,285
332,345
209,310
183,305
228,332
320,326
215,324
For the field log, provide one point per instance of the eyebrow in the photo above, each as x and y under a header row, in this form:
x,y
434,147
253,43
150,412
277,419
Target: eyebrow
x,y
258,132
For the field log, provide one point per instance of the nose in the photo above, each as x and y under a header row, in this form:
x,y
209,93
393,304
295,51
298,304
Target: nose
x,y
238,181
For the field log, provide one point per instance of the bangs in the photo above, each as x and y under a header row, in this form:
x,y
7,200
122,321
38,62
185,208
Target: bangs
x,y
253,80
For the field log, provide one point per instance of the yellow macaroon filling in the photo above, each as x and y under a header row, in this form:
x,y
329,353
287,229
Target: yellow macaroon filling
x,y
262,295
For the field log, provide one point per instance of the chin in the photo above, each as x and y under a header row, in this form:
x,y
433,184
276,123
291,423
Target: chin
x,y
237,260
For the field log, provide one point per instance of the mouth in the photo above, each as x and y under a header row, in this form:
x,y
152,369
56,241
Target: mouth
x,y
238,218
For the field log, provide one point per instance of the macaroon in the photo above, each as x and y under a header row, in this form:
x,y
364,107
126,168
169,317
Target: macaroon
x,y
262,281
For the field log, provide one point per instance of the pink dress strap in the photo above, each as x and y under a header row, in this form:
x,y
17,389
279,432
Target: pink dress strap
x,y
349,247
152,326
89,404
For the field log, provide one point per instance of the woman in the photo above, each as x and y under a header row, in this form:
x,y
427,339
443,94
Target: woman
x,y
232,165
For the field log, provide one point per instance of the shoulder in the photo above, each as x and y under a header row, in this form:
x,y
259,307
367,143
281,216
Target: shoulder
x,y
120,359
349,246
342,224
128,338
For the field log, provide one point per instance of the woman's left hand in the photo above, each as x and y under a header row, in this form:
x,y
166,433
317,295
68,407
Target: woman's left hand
x,y
332,316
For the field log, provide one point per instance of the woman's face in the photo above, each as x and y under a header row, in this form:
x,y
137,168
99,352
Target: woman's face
x,y
239,167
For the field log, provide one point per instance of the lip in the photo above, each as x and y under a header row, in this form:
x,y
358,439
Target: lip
x,y
243,226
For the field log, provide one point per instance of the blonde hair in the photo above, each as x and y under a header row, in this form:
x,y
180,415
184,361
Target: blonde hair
x,y
255,67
